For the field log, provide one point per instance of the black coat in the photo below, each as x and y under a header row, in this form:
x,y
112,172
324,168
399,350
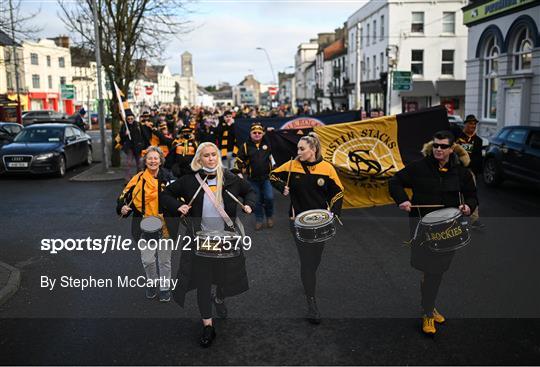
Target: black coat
x,y
431,187
136,143
235,279
473,146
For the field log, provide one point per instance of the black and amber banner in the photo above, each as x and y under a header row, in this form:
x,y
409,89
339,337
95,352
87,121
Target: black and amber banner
x,y
367,153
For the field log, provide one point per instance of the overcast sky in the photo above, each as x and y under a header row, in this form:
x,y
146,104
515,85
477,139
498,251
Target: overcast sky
x,y
227,33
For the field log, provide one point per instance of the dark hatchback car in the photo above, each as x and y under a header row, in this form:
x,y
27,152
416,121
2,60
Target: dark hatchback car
x,y
8,131
46,148
513,154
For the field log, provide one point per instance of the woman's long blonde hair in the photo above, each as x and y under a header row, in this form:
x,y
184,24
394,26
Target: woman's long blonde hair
x,y
196,165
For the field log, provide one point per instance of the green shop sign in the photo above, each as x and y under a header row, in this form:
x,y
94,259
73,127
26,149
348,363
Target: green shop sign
x,y
491,8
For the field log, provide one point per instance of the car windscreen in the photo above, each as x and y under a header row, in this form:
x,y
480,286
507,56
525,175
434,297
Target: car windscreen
x,y
40,135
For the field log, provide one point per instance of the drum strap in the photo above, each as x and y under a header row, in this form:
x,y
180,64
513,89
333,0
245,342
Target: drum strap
x,y
212,198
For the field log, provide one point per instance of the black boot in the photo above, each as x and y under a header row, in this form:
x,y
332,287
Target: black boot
x,y
208,336
313,314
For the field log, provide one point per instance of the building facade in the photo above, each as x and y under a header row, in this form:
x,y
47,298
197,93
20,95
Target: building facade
x,y
305,55
427,38
503,63
47,66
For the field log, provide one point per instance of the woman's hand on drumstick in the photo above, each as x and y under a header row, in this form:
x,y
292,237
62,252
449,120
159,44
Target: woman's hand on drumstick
x,y
286,191
184,209
406,206
465,209
125,210
247,209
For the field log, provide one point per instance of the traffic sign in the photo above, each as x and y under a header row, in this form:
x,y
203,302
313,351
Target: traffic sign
x,y
402,80
67,91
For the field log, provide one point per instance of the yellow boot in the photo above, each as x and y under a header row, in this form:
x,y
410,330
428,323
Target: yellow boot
x,y
439,319
428,325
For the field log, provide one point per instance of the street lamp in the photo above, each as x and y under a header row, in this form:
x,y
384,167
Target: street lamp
x,y
269,62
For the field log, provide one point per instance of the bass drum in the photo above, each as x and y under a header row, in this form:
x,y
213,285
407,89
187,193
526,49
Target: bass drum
x,y
443,230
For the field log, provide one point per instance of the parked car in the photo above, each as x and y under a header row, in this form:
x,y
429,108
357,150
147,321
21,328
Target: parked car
x,y
8,131
455,119
30,117
46,148
514,153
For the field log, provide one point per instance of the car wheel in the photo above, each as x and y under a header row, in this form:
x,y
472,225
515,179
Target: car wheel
x,y
61,166
88,161
492,173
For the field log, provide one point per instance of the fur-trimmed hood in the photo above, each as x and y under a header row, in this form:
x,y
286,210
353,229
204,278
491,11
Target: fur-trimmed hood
x,y
460,152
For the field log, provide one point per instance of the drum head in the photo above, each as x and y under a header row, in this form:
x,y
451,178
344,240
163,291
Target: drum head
x,y
314,218
441,215
151,224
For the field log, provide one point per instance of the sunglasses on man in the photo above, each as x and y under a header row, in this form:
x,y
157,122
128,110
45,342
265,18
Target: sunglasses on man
x,y
442,146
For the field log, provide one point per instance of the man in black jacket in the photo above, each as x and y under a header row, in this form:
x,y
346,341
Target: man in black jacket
x,y
254,159
132,144
472,143
437,179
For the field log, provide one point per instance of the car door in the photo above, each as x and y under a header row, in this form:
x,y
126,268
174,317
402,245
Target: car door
x,y
70,147
81,144
531,157
513,152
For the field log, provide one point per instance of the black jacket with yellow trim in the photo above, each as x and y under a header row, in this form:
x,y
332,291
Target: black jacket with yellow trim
x,y
254,160
311,185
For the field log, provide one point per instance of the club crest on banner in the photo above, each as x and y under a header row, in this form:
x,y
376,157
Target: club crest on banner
x,y
302,123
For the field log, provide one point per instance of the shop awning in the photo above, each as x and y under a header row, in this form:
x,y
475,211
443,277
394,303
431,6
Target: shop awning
x,y
450,88
421,88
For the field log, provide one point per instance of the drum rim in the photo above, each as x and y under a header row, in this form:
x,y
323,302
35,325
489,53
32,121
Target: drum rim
x,y
311,211
446,220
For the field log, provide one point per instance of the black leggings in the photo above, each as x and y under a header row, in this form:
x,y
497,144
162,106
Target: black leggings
x,y
429,287
206,270
310,257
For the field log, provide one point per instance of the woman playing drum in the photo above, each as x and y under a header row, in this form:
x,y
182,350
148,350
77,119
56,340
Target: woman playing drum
x,y
204,209
140,197
312,184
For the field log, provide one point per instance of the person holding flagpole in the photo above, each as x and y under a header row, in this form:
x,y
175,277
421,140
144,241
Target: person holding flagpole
x,y
312,184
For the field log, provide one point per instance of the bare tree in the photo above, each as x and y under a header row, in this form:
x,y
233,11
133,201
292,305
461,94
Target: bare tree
x,y
22,29
130,30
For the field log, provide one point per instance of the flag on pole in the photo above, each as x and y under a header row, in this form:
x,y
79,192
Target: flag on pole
x,y
123,105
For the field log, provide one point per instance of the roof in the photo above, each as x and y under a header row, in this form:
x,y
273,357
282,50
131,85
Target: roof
x,y
6,40
335,49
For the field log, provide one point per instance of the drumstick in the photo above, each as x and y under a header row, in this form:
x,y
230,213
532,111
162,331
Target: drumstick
x,y
339,220
290,169
235,199
197,192
428,206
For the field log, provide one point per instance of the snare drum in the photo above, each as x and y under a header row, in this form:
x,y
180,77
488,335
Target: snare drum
x,y
217,244
151,228
443,230
314,226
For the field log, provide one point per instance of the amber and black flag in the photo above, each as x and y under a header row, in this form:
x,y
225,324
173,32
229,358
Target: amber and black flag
x,y
367,153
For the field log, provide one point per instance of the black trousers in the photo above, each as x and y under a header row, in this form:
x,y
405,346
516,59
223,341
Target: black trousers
x,y
310,257
429,288
207,269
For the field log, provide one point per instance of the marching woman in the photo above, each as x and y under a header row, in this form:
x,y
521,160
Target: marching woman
x,y
312,184
204,198
140,197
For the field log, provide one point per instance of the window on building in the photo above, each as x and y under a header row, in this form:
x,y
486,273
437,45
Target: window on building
x,y
9,81
35,81
374,31
447,65
375,67
7,56
61,62
449,22
417,62
361,39
381,61
368,67
382,28
34,59
523,51
363,65
367,35
48,60
491,67
62,80
49,78
417,24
